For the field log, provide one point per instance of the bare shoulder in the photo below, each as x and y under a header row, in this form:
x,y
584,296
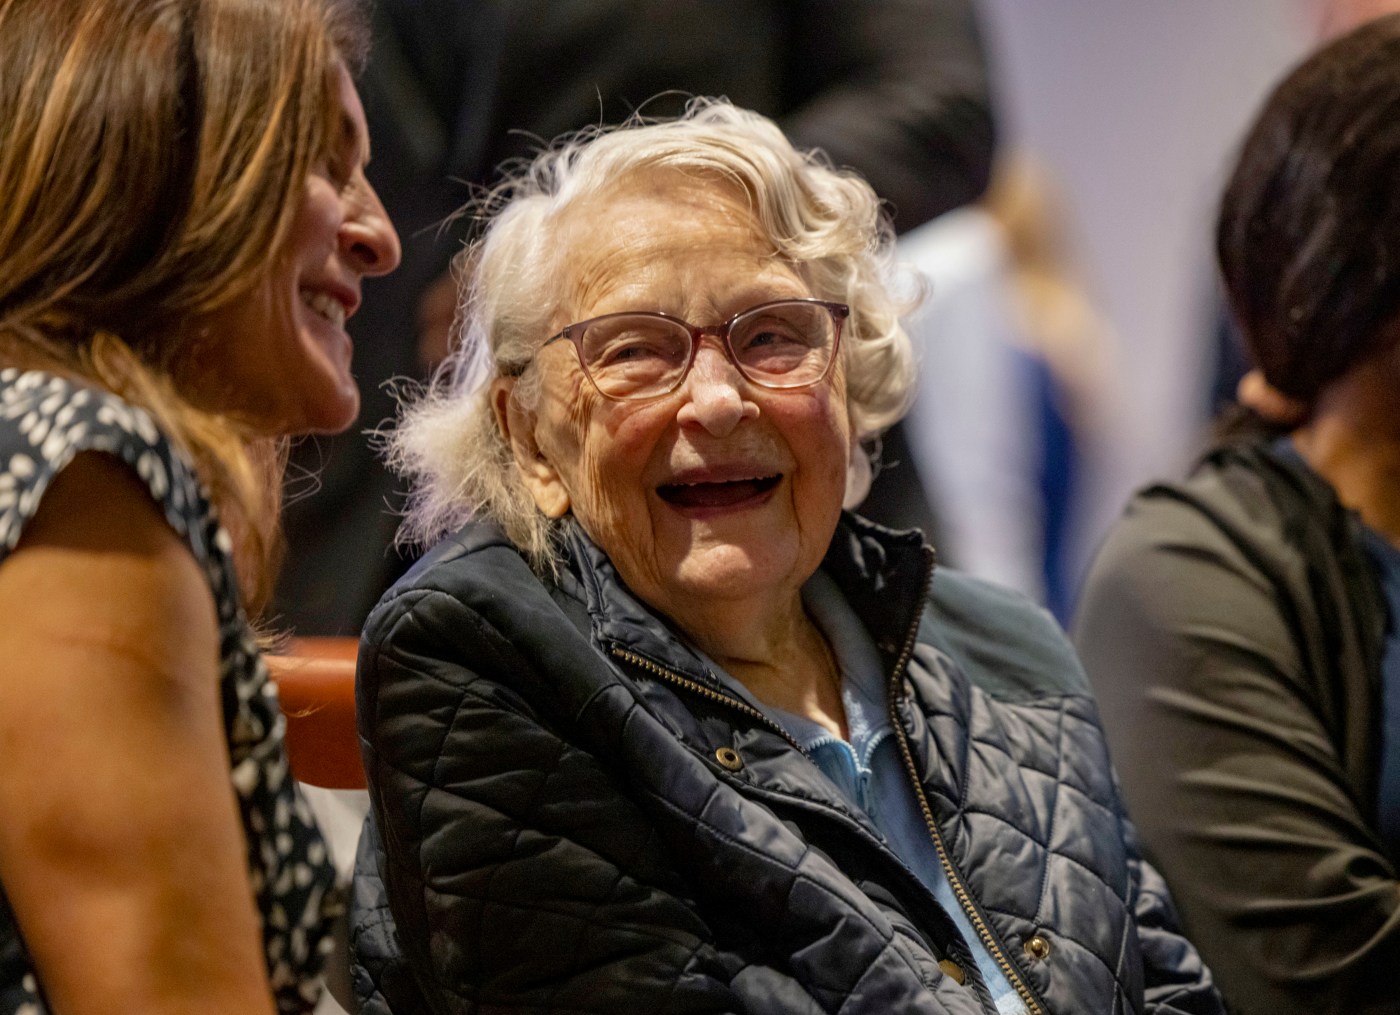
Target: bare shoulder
x,y
100,571
115,782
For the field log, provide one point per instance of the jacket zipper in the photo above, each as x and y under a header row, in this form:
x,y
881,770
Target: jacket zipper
x,y
742,706
954,879
906,653
696,687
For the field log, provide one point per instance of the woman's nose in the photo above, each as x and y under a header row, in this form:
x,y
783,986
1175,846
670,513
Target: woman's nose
x,y
368,237
716,394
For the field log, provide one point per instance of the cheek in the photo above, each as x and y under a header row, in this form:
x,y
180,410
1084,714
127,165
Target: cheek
x,y
255,342
570,435
601,450
820,432
562,431
818,437
317,221
615,453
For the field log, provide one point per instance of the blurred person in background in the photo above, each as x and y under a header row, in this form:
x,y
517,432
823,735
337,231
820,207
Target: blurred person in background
x,y
896,89
1242,628
1012,384
185,226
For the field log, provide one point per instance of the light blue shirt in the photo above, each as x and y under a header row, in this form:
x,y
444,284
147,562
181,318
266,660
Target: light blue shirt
x,y
868,771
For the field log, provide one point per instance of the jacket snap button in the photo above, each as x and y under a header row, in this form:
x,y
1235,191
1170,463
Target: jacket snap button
x,y
952,970
729,758
1037,947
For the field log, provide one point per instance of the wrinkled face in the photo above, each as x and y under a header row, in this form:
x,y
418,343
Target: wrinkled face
x,y
281,359
722,488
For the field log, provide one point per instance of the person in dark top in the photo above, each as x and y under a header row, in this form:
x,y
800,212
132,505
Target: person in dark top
x,y
656,726
184,227
1242,628
896,89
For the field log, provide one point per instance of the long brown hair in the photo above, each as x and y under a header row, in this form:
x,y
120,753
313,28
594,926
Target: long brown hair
x,y
152,157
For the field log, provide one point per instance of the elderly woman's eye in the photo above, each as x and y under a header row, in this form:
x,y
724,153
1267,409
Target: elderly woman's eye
x,y
775,346
768,337
626,352
633,348
772,337
622,353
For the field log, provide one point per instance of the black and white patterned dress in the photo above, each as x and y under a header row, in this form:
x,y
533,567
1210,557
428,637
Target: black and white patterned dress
x,y
46,420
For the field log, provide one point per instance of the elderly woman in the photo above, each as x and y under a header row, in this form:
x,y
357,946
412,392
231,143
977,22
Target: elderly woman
x,y
657,727
184,228
1241,626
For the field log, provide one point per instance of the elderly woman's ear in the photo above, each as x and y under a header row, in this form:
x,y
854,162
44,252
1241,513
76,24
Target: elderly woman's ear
x,y
517,425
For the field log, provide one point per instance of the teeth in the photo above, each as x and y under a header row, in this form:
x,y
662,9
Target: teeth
x,y
329,308
737,479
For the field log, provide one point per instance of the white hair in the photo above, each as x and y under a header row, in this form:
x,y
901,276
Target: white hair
x,y
828,221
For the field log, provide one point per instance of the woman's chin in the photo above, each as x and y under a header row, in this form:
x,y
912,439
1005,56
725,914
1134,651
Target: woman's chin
x,y
730,571
758,554
325,402
334,413
328,395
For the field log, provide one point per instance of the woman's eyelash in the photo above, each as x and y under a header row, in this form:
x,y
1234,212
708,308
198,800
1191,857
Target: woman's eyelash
x,y
340,168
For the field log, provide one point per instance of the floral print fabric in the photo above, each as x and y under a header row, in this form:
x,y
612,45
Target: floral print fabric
x,y
45,421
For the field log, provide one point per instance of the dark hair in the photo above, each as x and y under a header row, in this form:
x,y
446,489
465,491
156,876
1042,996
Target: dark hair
x,y
1309,230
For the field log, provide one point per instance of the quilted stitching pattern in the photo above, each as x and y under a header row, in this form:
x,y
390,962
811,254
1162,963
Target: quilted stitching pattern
x,y
570,845
1033,820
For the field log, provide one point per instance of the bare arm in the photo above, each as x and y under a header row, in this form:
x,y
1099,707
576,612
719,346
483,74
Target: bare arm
x,y
121,849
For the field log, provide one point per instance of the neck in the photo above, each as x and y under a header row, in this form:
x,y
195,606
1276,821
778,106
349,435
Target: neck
x,y
1353,441
775,651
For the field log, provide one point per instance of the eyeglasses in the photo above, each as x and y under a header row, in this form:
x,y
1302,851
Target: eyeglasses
x,y
639,355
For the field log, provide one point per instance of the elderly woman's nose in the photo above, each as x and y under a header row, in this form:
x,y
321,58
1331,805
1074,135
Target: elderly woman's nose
x,y
716,394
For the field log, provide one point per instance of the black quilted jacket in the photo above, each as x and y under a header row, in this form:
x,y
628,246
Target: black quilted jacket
x,y
571,815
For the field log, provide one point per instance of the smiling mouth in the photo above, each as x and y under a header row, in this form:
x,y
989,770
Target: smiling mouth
x,y
324,305
717,495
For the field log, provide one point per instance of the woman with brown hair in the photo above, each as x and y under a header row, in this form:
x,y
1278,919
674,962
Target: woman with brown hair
x,y
184,229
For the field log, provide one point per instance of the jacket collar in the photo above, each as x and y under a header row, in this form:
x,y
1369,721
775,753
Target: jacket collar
x,y
883,574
